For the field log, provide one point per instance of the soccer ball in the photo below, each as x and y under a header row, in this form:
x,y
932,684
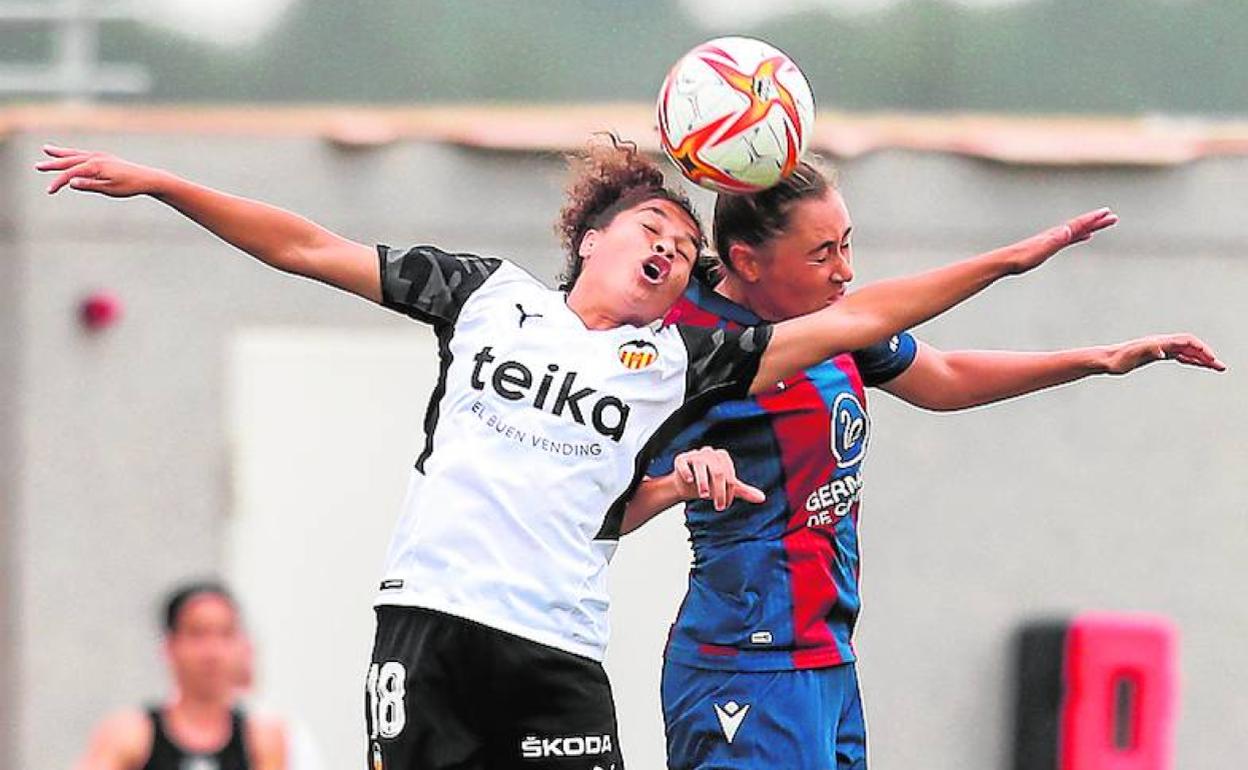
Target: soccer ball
x,y
735,115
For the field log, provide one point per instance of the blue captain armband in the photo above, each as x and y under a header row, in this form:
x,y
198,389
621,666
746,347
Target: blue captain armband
x,y
885,360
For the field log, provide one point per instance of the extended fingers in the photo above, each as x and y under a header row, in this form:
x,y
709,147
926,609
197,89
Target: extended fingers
x,y
89,184
693,467
714,475
1096,220
79,176
727,487
80,168
1082,227
749,493
1193,352
60,163
62,152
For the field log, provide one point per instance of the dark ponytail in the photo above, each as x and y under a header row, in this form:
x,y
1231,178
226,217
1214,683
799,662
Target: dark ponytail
x,y
758,217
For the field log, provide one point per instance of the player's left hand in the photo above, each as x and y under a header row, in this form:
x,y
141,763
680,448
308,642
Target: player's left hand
x,y
710,474
1183,348
1036,250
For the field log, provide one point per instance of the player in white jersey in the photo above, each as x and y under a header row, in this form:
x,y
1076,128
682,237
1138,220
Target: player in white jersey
x,y
492,614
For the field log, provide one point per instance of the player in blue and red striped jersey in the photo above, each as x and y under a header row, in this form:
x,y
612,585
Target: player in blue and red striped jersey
x,y
759,670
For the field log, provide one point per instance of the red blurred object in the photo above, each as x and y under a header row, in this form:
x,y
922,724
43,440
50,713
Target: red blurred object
x,y
1120,693
100,310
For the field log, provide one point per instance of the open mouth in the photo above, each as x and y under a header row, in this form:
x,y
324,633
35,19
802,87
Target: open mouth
x,y
656,268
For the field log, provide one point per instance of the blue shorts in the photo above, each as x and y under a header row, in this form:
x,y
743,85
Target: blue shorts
x,y
763,720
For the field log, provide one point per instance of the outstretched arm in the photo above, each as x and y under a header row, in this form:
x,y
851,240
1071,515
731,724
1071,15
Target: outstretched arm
x,y
278,238
885,308
947,381
706,473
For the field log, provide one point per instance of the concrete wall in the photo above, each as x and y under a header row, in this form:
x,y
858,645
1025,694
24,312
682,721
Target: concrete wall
x,y
1110,494
10,335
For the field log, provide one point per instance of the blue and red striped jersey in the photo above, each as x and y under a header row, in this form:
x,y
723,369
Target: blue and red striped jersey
x,y
774,586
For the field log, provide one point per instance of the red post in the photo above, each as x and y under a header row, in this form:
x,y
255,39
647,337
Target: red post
x,y
1120,695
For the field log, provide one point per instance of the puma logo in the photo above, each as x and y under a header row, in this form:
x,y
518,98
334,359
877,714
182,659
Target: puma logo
x,y
524,315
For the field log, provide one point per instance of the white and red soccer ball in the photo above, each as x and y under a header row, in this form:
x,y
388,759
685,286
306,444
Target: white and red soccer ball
x,y
735,115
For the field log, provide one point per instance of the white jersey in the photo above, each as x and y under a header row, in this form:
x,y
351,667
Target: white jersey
x,y
537,432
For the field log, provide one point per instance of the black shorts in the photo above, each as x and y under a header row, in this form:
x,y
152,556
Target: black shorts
x,y
444,693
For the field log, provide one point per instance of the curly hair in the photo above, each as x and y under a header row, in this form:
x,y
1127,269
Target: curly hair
x,y
758,217
607,178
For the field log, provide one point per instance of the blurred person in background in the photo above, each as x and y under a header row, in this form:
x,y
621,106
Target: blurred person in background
x,y
759,667
200,726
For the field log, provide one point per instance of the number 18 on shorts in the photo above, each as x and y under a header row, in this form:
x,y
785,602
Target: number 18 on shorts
x,y
445,693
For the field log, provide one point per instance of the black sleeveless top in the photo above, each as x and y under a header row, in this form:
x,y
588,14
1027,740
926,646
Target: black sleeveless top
x,y
167,755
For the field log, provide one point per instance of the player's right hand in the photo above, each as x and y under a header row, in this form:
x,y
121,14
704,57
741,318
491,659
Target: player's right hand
x,y
98,172
710,474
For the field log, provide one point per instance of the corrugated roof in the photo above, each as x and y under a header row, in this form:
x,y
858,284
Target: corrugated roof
x,y
1049,141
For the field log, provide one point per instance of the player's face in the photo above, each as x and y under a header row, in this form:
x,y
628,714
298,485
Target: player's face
x,y
809,265
643,259
205,647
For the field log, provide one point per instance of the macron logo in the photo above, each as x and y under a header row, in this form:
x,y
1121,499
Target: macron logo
x,y
730,717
